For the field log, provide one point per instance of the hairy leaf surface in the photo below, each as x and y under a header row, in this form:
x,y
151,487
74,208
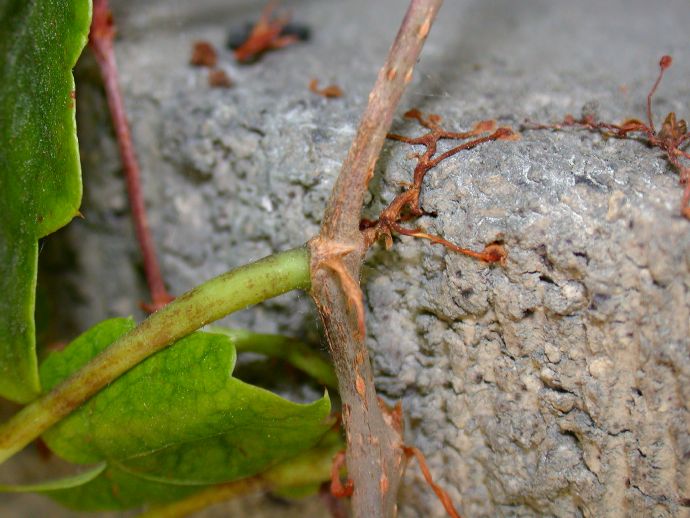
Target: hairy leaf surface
x,y
40,175
180,416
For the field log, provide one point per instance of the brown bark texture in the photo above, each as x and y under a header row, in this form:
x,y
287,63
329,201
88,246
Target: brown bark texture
x,y
375,458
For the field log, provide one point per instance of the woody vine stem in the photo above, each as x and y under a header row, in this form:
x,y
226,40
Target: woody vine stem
x,y
375,455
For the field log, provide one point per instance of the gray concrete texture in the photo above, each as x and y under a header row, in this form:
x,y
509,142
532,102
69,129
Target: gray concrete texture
x,y
555,386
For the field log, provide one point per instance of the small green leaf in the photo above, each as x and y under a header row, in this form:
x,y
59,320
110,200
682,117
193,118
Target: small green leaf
x,y
40,174
180,416
59,484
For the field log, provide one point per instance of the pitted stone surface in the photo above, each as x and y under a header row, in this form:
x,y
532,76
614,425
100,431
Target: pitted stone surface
x,y
556,386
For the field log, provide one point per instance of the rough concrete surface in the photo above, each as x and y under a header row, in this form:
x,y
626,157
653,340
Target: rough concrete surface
x,y
556,386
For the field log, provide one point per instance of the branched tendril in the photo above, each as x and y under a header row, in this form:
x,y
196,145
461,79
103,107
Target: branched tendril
x,y
268,33
672,138
406,205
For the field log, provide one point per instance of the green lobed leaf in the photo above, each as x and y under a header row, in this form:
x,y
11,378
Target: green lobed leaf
x,y
180,416
40,175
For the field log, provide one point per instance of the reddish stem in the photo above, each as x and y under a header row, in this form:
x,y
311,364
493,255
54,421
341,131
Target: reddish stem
x,y
411,451
492,253
664,63
338,489
670,138
101,41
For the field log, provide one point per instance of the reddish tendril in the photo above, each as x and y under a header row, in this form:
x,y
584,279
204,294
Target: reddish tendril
x,y
338,489
218,78
406,205
411,451
329,91
394,417
265,35
671,138
203,55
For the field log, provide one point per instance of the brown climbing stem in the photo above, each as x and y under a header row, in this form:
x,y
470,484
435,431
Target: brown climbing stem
x,y
101,42
375,457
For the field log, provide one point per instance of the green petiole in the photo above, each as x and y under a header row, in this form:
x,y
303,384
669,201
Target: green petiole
x,y
214,299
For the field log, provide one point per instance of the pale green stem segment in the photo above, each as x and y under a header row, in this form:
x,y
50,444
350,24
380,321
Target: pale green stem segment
x,y
222,295
296,353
